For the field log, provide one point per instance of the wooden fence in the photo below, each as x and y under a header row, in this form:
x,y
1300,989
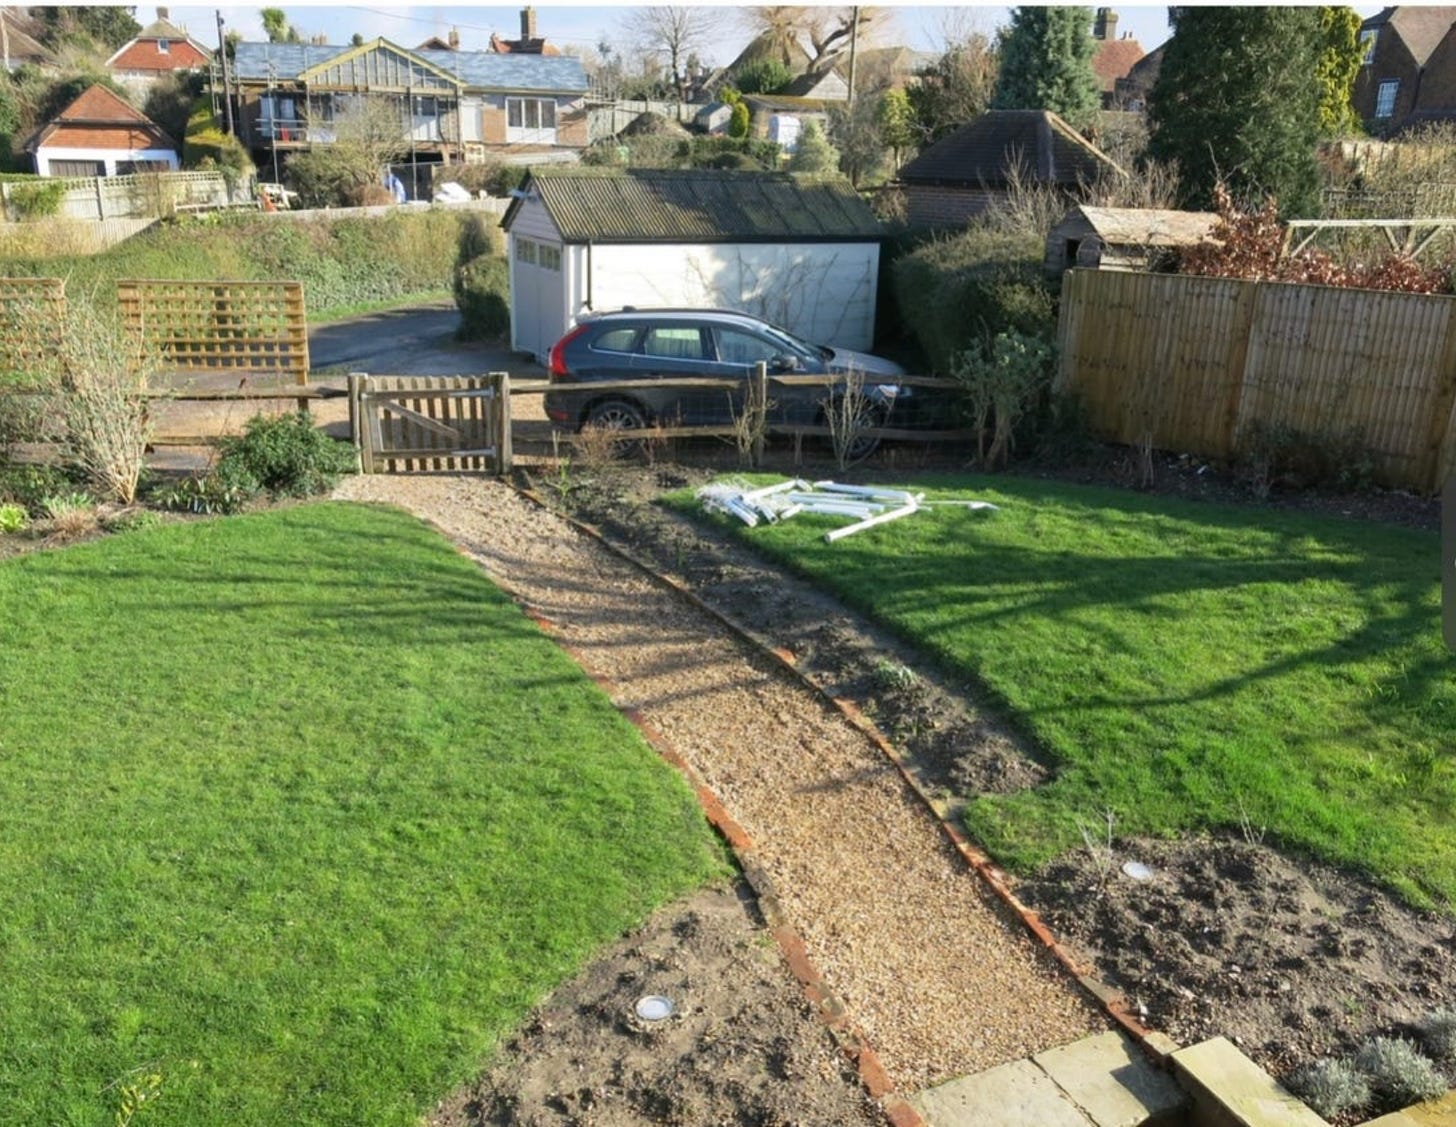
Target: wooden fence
x,y
147,195
251,328
32,316
431,423
1193,364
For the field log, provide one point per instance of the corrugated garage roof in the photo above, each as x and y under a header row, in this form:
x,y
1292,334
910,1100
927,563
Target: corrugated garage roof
x,y
662,206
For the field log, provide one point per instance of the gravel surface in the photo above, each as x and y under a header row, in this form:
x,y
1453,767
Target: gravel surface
x,y
941,982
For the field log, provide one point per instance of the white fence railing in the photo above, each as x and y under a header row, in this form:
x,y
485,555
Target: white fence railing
x,y
149,195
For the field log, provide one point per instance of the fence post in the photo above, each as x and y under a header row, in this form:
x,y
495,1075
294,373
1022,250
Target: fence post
x,y
1433,469
505,456
1238,368
758,411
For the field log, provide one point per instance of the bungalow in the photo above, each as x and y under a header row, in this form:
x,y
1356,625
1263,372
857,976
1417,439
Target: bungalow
x,y
160,49
453,106
101,134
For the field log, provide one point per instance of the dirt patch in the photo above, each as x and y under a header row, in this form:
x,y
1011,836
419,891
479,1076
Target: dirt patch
x,y
741,1046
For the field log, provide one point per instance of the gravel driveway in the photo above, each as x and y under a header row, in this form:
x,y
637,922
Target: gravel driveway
x,y
940,981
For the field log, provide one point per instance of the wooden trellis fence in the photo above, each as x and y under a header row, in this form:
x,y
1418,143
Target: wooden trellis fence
x,y
250,328
32,318
422,423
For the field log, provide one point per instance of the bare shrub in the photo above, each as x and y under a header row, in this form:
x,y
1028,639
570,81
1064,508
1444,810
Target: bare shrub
x,y
70,516
597,447
849,414
1438,1034
750,426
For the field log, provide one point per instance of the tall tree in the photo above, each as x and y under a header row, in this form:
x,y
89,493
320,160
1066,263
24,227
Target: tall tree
x,y
954,89
276,26
674,32
1339,64
790,33
1236,101
1046,64
896,119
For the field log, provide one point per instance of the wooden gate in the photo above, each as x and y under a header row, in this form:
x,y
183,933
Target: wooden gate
x,y
414,424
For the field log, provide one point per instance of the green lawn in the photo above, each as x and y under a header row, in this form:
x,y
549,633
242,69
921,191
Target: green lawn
x,y
1185,665
300,813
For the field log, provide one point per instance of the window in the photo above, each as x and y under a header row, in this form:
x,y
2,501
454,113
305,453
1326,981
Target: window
x,y
1385,98
531,119
1367,45
163,47
736,347
674,343
615,340
551,258
133,167
526,251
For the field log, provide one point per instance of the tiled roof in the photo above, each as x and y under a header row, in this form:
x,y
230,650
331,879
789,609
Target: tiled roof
x,y
657,206
98,104
982,152
476,69
1113,59
144,54
1421,29
99,118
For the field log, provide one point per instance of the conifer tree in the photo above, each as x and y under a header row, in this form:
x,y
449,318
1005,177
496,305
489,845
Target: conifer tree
x,y
1046,64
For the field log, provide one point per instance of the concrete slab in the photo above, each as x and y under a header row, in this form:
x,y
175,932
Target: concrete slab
x,y
1018,1094
1230,1090
1113,1081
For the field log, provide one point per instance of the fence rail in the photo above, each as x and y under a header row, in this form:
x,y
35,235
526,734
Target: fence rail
x,y
1197,364
32,316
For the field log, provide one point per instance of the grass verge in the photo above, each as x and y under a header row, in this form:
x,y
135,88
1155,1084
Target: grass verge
x,y
301,816
1188,666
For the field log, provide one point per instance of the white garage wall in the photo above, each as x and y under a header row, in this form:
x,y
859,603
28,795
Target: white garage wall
x,y
824,292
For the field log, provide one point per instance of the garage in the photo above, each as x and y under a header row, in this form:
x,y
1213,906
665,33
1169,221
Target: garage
x,y
802,252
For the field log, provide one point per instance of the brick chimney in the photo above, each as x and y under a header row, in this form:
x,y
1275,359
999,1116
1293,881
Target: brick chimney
x,y
162,13
454,39
528,23
1104,26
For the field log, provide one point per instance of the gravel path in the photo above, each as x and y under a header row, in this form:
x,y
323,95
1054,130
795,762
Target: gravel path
x,y
939,980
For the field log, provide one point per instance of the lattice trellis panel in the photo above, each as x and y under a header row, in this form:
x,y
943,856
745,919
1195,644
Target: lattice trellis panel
x,y
257,328
32,313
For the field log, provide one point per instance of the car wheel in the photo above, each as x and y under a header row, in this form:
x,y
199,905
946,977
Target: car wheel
x,y
615,414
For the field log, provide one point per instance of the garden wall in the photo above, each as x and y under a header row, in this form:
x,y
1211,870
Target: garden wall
x,y
1195,364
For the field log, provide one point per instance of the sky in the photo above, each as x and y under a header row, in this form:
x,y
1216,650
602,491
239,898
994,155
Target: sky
x,y
920,26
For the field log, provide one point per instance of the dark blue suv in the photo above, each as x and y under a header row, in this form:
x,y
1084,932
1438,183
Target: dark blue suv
x,y
643,344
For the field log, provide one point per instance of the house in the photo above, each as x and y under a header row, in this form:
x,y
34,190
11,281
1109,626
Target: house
x,y
101,134
453,105
160,49
802,252
528,44
1408,69
1121,238
18,49
781,117
1113,58
1133,91
970,171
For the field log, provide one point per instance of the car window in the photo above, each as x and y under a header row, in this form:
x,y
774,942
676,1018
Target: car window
x,y
615,340
674,343
738,347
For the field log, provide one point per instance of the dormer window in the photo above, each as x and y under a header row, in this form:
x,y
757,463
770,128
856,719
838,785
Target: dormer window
x,y
163,46
1367,45
1385,98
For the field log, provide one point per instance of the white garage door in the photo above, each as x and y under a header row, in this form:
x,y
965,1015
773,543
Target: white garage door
x,y
539,298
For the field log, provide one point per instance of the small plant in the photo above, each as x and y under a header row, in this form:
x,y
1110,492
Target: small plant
x,y
596,447
1438,1034
29,485
59,505
849,414
13,518
133,520
1331,1087
1398,1071
892,676
1099,846
750,426
1003,382
71,515
134,1096
1253,832
285,455
226,489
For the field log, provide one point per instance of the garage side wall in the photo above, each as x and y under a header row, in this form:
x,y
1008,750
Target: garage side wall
x,y
824,292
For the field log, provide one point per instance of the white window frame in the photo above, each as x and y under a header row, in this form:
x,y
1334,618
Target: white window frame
x,y
531,121
1367,45
1385,95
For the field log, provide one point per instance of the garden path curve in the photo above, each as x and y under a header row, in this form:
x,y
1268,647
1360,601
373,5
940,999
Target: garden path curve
x,y
940,981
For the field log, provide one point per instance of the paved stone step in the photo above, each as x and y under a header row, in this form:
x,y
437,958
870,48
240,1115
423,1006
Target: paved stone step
x,y
1101,1081
1436,1113
1230,1090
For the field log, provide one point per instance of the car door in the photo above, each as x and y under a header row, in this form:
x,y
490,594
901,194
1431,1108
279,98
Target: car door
x,y
740,350
682,350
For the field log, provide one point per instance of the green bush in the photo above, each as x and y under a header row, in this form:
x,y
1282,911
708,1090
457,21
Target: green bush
x,y
1331,1087
1398,1072
37,200
13,518
227,488
763,76
483,296
30,485
286,455
1003,381
956,293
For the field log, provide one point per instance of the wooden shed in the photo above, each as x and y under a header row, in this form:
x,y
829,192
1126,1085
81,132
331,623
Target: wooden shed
x,y
800,251
1121,238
